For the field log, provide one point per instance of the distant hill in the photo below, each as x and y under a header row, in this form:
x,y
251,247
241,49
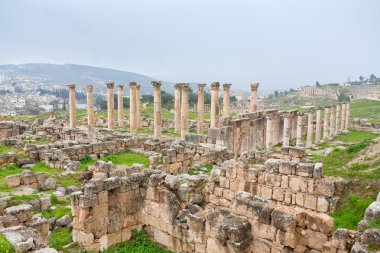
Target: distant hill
x,y
80,75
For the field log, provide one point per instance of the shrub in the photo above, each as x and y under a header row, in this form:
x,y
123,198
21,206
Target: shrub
x,y
354,148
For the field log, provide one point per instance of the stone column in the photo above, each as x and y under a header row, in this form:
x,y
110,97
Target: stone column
x,y
254,87
226,100
318,126
286,134
90,108
269,133
177,108
326,123
348,114
132,108
120,120
310,128
299,140
138,106
185,110
110,106
337,119
343,118
214,104
200,107
157,108
332,121
72,106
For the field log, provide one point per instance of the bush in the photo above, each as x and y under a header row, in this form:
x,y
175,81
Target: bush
x,y
354,148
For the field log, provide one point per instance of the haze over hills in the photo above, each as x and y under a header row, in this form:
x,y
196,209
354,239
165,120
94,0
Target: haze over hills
x,y
80,75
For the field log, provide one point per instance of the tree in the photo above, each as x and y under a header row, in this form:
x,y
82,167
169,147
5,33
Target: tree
x,y
372,77
343,97
276,94
317,83
361,78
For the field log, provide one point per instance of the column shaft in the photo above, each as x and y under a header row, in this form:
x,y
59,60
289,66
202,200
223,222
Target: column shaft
x,y
90,108
269,133
226,100
318,126
326,123
138,106
332,121
177,108
299,141
120,118
286,134
214,104
254,106
132,108
72,106
111,106
348,114
157,108
310,128
185,111
343,118
337,119
200,108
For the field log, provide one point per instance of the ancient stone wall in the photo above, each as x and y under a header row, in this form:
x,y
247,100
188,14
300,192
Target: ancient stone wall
x,y
10,128
216,213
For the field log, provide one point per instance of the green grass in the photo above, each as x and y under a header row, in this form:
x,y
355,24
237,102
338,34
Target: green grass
x,y
56,213
127,158
359,166
60,238
5,245
21,199
140,243
355,136
8,171
4,150
365,108
334,164
197,170
351,213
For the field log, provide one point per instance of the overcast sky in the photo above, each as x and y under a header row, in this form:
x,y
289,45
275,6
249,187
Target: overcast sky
x,y
281,44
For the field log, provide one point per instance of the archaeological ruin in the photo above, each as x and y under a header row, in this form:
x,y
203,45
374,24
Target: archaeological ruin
x,y
262,194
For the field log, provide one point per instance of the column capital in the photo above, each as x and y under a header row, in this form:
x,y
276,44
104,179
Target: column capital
x,y
300,113
89,88
156,84
110,85
287,114
319,107
177,85
254,86
120,87
310,109
226,86
215,85
185,87
71,86
138,86
327,106
132,84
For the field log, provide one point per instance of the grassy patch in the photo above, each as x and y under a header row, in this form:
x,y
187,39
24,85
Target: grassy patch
x,y
8,171
128,158
198,170
20,199
355,136
334,164
5,246
4,150
60,238
140,243
359,166
351,212
57,213
365,108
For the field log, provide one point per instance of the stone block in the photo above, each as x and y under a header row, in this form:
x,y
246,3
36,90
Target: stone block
x,y
294,183
324,187
13,181
322,205
305,169
310,202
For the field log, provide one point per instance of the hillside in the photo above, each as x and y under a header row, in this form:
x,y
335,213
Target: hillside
x,y
78,74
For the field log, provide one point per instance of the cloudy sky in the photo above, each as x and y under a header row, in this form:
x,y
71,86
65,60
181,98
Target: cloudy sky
x,y
281,44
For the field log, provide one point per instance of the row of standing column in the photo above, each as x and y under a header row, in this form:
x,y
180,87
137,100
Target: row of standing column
x,y
135,107
181,106
335,121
